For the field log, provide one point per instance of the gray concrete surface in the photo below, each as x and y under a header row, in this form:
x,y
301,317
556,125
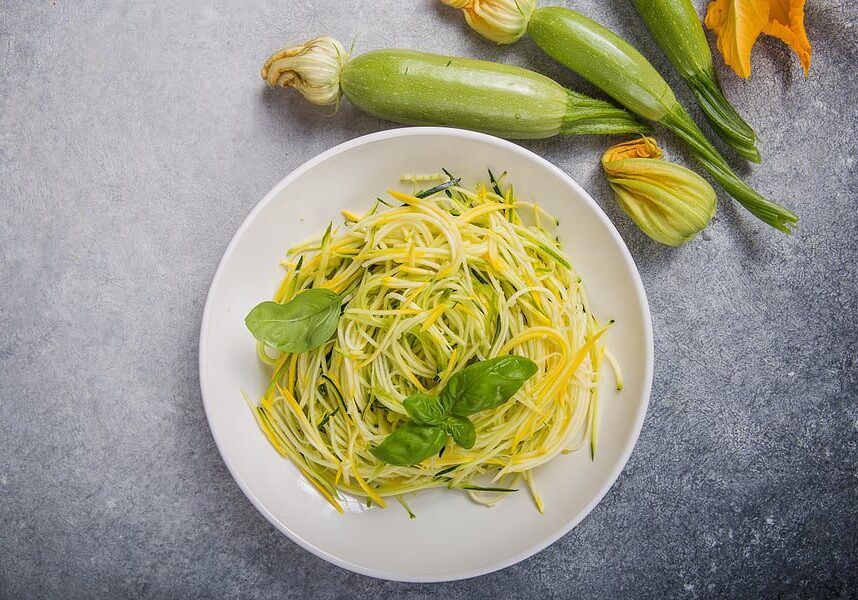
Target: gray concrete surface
x,y
135,137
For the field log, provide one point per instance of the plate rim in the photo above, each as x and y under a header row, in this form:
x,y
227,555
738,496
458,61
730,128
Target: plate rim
x,y
630,443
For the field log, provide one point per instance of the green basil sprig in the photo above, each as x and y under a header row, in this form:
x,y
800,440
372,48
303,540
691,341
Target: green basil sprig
x,y
480,386
304,323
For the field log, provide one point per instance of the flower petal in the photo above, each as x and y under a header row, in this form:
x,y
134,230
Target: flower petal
x,y
643,147
737,25
786,22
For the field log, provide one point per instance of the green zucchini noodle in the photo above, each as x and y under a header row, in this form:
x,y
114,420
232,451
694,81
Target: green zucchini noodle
x,y
428,286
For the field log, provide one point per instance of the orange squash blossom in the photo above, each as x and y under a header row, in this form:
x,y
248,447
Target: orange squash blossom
x,y
738,23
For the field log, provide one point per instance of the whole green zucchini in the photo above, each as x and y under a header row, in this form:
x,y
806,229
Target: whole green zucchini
x,y
428,89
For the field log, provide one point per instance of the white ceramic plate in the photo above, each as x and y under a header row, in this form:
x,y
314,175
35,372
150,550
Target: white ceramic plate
x,y
452,537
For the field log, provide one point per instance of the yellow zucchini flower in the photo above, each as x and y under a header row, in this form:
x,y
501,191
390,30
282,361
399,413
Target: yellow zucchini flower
x,y
670,203
502,21
738,23
313,69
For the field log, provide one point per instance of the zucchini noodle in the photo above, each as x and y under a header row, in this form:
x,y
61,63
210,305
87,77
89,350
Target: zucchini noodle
x,y
429,285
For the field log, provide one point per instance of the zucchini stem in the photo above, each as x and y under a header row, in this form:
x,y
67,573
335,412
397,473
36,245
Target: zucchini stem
x,y
681,124
728,124
586,115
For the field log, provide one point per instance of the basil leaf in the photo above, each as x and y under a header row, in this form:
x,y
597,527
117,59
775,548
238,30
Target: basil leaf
x,y
410,444
462,430
304,323
425,409
486,384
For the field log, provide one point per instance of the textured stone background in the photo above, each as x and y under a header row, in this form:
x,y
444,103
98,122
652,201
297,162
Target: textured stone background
x,y
135,137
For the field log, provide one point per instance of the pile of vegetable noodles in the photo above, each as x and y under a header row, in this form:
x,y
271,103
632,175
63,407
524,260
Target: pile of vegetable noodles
x,y
436,295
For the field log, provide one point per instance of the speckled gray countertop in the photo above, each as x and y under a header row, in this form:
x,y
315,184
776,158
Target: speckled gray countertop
x,y
136,136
